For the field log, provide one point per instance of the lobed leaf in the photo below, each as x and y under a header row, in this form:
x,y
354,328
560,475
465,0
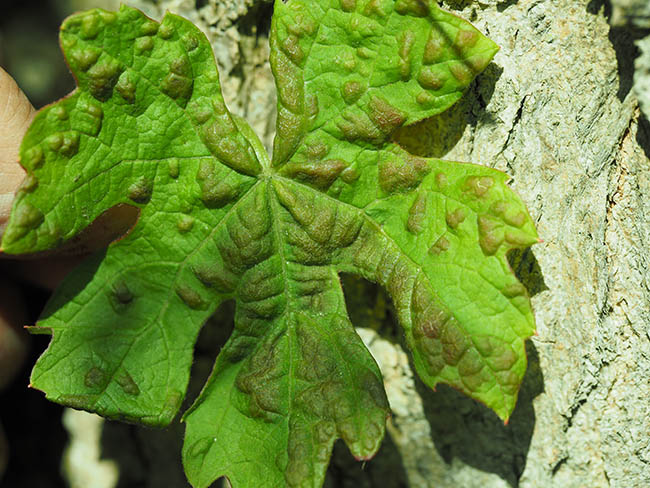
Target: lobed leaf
x,y
218,220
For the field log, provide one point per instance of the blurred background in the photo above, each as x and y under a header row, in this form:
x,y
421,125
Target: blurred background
x,y
29,48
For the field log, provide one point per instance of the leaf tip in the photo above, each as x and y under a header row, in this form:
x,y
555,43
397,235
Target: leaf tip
x,y
38,330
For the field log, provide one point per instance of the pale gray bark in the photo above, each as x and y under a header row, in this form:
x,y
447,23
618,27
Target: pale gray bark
x,y
557,112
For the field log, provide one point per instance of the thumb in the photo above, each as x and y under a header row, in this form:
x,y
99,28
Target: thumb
x,y
16,113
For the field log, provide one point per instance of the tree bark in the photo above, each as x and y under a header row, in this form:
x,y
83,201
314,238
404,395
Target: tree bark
x,y
557,112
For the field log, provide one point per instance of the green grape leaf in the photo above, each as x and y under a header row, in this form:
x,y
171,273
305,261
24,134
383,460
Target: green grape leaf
x,y
218,220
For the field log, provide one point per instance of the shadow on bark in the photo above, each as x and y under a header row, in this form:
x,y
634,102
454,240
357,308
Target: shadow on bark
x,y
623,40
436,136
527,270
464,429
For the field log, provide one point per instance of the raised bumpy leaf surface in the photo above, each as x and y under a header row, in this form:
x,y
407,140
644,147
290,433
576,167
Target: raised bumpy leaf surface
x,y
219,220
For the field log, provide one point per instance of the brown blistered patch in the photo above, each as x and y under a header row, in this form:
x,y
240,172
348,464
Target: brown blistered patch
x,y
425,98
441,180
127,384
352,90
126,87
302,25
215,193
69,143
349,5
434,48
84,58
166,31
317,150
178,83
461,72
491,235
406,41
510,213
430,78
385,116
398,175
440,246
102,77
454,343
140,190
519,238
34,158
478,62
513,290
479,185
88,117
320,174
350,175
417,214
185,224
470,364
300,450
95,378
466,39
190,297
455,218
29,184
415,8
259,380
292,48
143,45
430,321
215,275
359,127
121,293
375,9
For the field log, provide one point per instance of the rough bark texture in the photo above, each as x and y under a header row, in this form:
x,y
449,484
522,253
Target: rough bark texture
x,y
556,111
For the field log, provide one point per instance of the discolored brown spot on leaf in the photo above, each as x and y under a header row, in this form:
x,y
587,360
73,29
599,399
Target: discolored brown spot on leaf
x,y
126,87
479,185
430,78
466,38
352,91
438,247
141,190
291,46
216,276
415,8
455,218
191,297
127,384
397,175
95,378
320,174
491,235
349,5
417,214
102,78
385,116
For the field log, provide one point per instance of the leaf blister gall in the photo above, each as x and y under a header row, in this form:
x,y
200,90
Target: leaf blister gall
x,y
140,191
227,223
95,378
128,385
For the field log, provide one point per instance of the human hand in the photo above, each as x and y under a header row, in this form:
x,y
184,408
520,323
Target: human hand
x,y
16,113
